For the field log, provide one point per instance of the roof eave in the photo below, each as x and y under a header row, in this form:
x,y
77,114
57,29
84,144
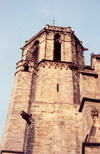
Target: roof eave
x,y
80,42
33,38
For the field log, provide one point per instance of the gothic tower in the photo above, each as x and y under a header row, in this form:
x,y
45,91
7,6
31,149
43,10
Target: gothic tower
x,y
53,97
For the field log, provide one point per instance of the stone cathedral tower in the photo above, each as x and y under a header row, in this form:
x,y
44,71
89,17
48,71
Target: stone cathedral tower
x,y
55,101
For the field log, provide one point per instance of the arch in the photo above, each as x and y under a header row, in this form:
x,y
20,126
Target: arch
x,y
57,50
57,47
26,68
32,53
36,42
35,51
56,36
28,55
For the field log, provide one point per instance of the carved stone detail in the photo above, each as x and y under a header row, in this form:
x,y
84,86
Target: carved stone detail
x,y
56,28
94,112
54,64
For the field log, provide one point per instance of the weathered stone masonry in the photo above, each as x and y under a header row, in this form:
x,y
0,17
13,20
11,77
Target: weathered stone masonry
x,y
58,94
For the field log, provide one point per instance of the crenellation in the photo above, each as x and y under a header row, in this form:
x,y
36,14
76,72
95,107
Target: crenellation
x,y
56,28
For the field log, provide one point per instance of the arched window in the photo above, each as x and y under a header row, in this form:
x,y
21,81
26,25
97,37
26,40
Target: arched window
x,y
26,68
57,47
35,54
35,51
77,53
57,51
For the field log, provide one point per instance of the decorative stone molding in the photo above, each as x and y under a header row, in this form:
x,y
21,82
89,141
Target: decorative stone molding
x,y
94,112
81,67
54,64
21,66
56,28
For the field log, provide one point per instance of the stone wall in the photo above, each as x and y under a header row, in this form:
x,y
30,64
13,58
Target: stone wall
x,y
14,136
50,75
53,91
56,129
46,46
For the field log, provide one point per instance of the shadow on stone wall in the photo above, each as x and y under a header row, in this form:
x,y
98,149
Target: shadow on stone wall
x,y
30,138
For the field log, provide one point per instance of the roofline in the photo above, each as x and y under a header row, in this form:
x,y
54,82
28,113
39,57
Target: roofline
x,y
53,28
34,37
97,56
80,42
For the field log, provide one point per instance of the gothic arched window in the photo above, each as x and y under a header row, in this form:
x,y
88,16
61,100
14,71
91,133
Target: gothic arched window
x,y
57,47
26,68
57,51
35,51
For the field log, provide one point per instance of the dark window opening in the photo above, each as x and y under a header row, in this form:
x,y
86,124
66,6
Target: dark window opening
x,y
26,68
57,51
35,54
36,42
57,36
57,87
35,51
32,53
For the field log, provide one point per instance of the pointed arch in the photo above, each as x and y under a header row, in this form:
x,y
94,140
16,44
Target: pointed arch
x,y
26,68
35,51
57,50
57,47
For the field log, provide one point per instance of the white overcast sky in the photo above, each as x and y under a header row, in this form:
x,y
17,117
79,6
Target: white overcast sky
x,y
22,19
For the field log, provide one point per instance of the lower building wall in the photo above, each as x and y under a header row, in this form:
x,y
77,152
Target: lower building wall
x,y
56,129
15,127
89,121
92,150
48,77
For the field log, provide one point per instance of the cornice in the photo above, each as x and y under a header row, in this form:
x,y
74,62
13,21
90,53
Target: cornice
x,y
80,42
33,68
81,67
89,100
33,38
84,70
54,64
89,73
9,151
48,28
91,145
58,29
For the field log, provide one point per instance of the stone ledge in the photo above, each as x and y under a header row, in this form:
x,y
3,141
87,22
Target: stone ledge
x,y
84,144
80,67
53,63
87,99
10,152
89,74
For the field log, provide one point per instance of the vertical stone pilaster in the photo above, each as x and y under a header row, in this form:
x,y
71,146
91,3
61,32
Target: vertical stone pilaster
x,y
15,131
